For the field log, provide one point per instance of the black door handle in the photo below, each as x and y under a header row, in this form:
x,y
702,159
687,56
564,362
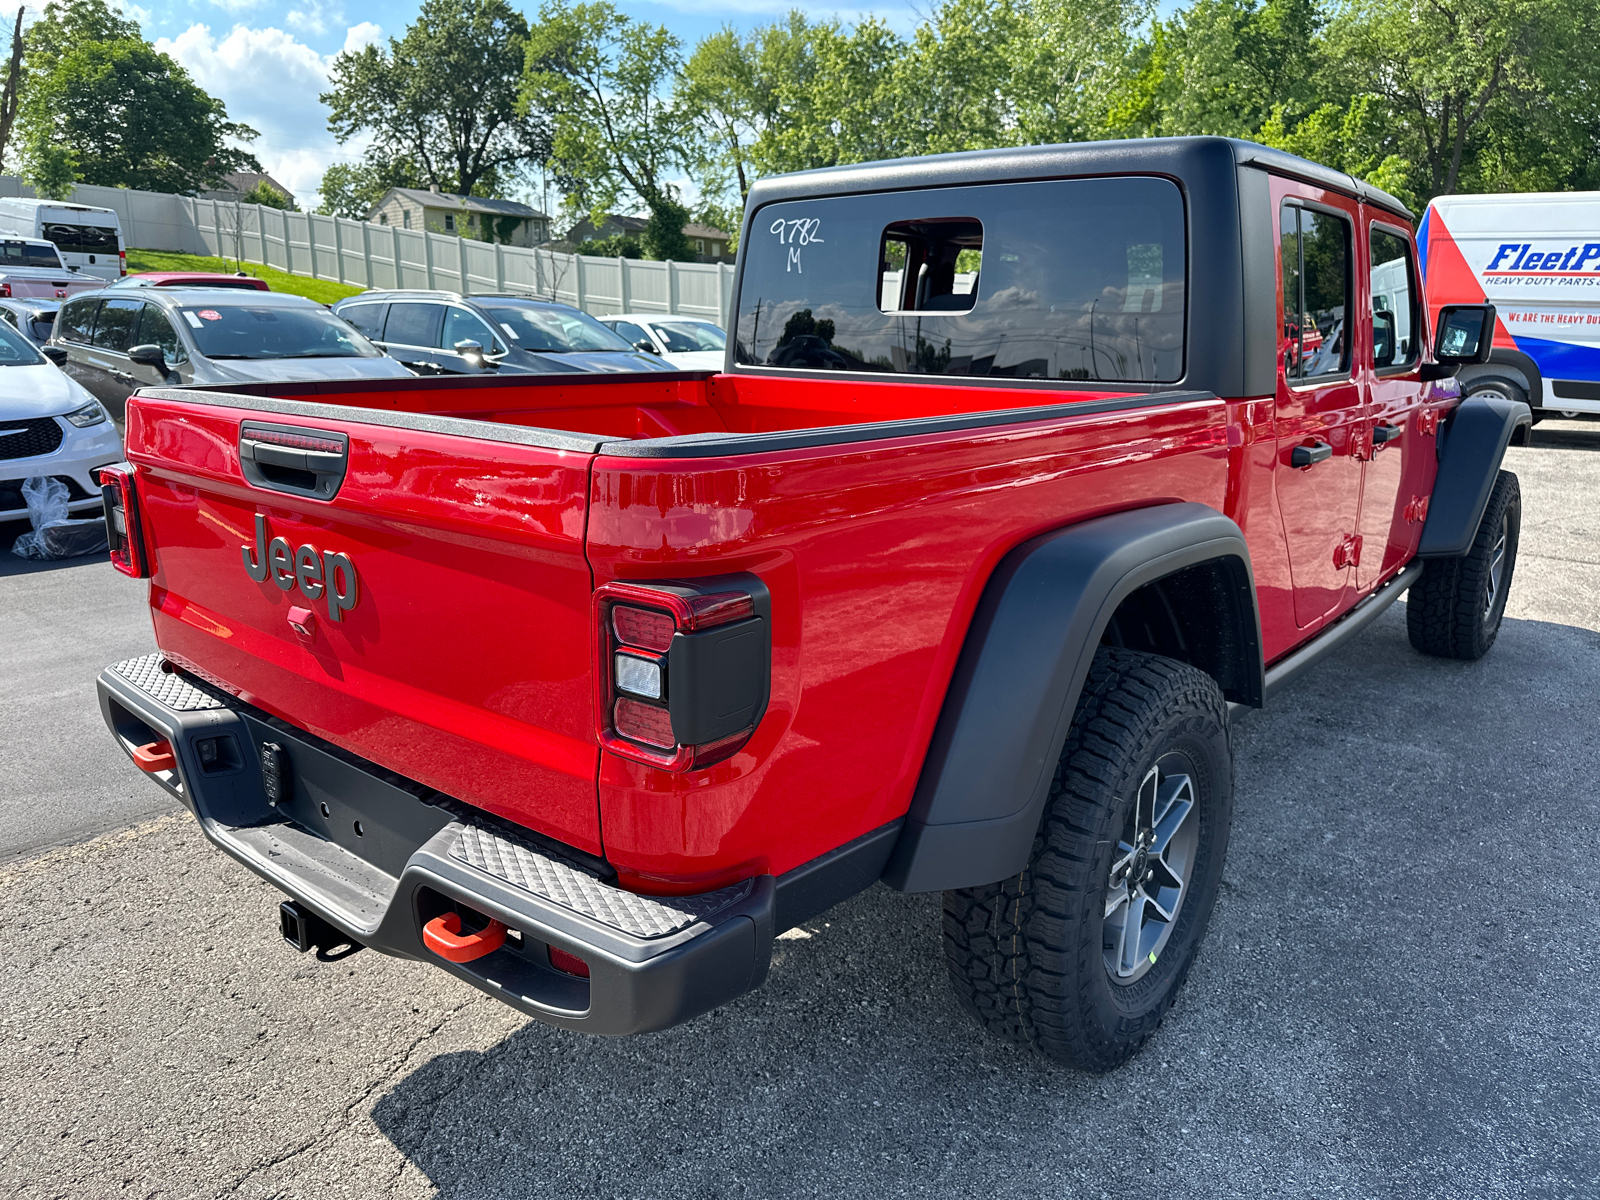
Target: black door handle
x,y
1384,433
1310,456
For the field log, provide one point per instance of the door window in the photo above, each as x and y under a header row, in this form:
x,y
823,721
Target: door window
x,y
156,330
463,326
366,317
1314,248
413,324
77,320
630,332
118,320
1396,323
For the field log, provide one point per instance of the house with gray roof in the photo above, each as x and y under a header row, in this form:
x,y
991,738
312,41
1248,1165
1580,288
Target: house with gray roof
x,y
503,221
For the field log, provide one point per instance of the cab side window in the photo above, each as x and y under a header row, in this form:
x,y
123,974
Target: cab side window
x,y
1396,322
118,321
1314,252
463,326
77,321
366,317
156,330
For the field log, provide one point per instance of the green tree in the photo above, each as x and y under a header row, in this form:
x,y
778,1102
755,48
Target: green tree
x,y
268,196
618,133
442,99
354,189
104,107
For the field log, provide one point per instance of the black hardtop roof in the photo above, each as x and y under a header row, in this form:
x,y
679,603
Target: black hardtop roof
x,y
1168,156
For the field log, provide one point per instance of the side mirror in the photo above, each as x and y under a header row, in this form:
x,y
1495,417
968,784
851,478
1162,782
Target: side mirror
x,y
148,356
1383,327
469,348
1465,334
55,354
647,347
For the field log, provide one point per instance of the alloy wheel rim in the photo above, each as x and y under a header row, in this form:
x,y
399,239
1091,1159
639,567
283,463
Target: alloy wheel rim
x,y
1150,871
1497,566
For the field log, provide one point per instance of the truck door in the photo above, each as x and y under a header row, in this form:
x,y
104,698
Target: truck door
x,y
1391,373
1319,402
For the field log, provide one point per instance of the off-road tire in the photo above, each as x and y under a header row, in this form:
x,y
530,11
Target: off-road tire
x,y
1450,612
1026,955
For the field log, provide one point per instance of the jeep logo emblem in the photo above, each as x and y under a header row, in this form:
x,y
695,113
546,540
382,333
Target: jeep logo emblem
x,y
317,573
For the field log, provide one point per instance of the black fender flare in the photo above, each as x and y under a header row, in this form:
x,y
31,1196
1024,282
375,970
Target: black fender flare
x,y
1016,685
1528,368
1472,444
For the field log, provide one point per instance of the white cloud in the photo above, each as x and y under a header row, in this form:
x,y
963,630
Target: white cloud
x,y
237,6
316,17
362,35
271,81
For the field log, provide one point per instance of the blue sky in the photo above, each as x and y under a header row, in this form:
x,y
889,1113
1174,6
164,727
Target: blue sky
x,y
268,59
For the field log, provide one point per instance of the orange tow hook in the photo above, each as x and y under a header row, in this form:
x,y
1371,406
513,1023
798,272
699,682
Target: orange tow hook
x,y
443,936
156,756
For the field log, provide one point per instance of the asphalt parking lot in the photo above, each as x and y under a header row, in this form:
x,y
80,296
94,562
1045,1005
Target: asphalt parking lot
x,y
1396,996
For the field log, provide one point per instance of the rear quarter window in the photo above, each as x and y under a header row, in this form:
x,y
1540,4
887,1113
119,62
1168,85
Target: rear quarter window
x,y
1081,279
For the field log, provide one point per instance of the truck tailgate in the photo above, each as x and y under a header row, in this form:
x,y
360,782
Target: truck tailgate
x,y
440,616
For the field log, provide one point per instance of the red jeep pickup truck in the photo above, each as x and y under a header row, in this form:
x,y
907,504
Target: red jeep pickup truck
x,y
1025,472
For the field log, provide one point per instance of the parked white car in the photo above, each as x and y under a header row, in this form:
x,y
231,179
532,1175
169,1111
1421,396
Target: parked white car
x,y
49,425
688,343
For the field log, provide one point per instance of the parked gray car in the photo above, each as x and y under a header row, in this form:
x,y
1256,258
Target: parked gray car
x,y
113,343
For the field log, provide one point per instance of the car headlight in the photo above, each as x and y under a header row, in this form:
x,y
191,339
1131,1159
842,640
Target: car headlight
x,y
90,414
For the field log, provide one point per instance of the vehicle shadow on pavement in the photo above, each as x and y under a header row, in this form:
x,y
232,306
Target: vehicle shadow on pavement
x,y
1389,999
1579,434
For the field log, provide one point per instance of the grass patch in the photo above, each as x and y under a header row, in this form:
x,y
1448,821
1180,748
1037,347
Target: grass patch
x,y
321,290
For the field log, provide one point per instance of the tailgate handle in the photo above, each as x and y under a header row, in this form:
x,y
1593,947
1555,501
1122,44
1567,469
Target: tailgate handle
x,y
293,459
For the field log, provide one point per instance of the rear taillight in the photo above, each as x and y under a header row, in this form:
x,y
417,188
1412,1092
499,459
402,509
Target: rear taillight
x,y
122,261
5,291
124,532
683,670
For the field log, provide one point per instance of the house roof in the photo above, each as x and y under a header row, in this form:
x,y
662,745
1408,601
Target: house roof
x,y
245,181
703,231
431,199
584,229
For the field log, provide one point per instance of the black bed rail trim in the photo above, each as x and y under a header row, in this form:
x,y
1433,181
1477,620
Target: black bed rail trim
x,y
712,445
694,445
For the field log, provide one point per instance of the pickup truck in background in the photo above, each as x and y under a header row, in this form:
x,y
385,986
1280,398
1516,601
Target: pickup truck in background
x,y
34,270
1028,470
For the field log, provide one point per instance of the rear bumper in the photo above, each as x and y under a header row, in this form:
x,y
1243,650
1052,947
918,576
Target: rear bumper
x,y
653,961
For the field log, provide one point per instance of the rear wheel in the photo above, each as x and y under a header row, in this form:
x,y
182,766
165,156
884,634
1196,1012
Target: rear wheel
x,y
1081,955
1455,609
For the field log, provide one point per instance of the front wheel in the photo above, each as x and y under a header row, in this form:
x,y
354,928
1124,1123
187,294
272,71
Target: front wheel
x,y
1455,609
1081,955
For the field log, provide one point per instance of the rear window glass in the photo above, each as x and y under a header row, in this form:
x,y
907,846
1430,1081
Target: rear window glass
x,y
82,239
686,337
1080,279
21,254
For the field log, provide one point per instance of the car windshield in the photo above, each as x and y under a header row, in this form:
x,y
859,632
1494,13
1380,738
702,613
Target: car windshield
x,y
555,330
15,351
224,330
684,337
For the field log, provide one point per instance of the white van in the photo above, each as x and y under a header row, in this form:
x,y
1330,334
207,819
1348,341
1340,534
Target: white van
x,y
1536,257
90,239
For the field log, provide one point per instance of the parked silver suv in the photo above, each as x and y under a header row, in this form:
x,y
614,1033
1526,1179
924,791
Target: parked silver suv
x,y
115,342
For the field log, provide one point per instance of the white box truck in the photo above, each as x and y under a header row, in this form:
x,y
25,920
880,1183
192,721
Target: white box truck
x,y
89,238
1536,257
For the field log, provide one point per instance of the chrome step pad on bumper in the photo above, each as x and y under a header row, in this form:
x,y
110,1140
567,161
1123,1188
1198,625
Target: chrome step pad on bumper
x,y
653,961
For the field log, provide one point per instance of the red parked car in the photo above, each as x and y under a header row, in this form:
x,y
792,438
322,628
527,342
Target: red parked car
x,y
191,279
584,688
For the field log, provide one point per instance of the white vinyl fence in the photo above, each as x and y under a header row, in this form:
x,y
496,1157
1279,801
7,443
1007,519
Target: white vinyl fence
x,y
363,254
